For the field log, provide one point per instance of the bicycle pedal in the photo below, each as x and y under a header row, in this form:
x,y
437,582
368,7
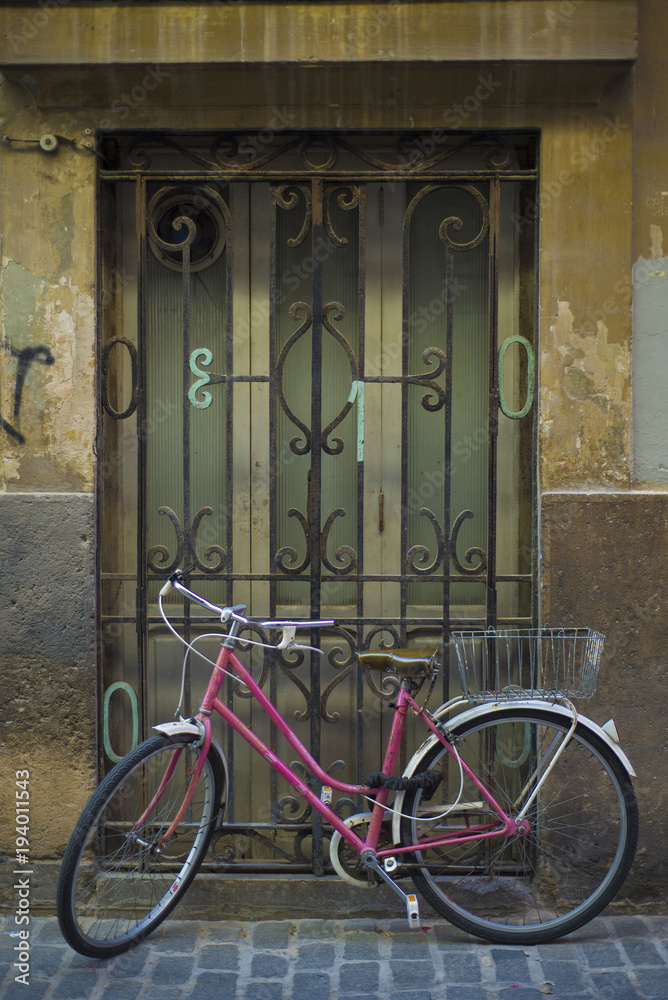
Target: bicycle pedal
x,y
412,911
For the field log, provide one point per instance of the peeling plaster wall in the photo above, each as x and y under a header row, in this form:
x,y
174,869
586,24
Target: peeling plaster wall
x,y
48,308
585,322
585,408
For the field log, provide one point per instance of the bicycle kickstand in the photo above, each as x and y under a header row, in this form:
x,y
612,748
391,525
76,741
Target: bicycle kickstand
x,y
409,899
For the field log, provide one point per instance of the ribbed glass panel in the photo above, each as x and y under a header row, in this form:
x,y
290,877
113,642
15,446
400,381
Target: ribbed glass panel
x,y
294,269
337,260
427,324
208,441
170,411
164,392
339,485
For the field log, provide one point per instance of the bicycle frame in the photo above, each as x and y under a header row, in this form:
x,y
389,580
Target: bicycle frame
x,y
449,848
227,659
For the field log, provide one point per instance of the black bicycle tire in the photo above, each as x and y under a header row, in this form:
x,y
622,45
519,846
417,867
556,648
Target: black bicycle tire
x,y
586,911
68,918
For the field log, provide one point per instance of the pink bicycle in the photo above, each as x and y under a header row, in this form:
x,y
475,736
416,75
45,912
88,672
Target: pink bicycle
x,y
515,819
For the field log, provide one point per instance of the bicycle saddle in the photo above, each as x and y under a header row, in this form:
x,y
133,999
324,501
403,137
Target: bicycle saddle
x,y
405,662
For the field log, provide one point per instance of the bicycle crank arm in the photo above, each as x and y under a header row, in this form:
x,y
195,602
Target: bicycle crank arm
x,y
409,899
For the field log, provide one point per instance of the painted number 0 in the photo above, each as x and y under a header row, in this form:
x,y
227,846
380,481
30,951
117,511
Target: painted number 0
x,y
119,686
517,414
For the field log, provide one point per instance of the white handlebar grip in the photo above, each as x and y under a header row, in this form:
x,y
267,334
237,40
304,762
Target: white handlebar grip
x,y
166,589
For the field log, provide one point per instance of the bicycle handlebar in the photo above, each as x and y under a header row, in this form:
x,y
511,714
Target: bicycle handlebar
x,y
235,612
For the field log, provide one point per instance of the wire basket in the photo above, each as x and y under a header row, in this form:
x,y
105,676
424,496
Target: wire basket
x,y
528,663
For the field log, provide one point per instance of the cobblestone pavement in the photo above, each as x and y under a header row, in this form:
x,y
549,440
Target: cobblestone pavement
x,y
612,958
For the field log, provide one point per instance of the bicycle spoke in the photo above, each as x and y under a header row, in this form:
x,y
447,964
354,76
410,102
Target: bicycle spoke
x,y
579,845
114,887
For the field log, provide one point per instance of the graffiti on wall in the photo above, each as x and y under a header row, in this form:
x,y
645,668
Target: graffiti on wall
x,y
26,357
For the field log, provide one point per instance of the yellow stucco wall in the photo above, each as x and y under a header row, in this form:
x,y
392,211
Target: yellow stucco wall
x,y
48,288
421,65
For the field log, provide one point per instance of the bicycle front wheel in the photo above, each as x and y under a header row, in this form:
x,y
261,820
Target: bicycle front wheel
x,y
117,880
583,828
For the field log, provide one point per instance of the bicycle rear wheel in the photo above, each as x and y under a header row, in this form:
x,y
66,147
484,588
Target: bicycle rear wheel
x,y
581,842
116,883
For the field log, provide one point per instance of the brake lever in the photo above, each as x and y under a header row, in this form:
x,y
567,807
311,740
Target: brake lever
x,y
288,641
298,645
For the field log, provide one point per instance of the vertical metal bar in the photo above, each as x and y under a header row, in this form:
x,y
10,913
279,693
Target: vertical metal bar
x,y
100,284
229,488
229,407
493,424
535,495
273,451
273,398
185,409
142,516
361,402
447,457
405,338
317,238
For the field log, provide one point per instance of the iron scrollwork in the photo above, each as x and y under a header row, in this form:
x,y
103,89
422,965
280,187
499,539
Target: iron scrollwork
x,y
454,222
409,155
338,312
188,224
470,553
436,397
293,805
348,199
297,447
287,198
421,552
389,685
343,553
158,555
343,661
288,554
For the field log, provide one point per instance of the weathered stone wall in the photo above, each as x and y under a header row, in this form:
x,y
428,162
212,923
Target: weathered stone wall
x,y
562,67
603,563
47,622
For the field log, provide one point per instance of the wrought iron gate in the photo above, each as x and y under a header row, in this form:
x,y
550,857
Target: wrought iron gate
x,y
316,388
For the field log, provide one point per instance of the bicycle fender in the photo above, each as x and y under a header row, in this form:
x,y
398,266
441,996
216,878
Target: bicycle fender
x,y
486,708
175,728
